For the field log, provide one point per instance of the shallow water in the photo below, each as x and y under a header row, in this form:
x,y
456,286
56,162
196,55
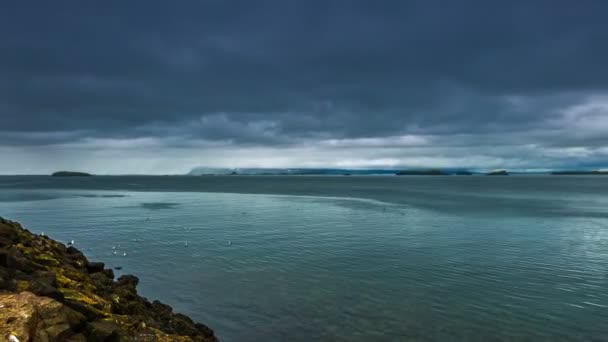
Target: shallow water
x,y
346,258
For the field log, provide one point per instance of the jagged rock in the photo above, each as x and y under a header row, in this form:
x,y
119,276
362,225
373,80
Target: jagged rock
x,y
94,267
127,280
108,273
104,331
33,318
46,286
87,304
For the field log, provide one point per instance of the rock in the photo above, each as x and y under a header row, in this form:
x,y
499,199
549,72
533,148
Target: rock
x,y
6,280
77,300
86,310
183,324
161,311
16,260
33,318
104,331
47,287
127,280
94,267
108,273
7,232
73,250
4,257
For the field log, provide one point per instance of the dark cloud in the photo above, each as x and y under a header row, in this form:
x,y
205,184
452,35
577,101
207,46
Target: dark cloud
x,y
280,73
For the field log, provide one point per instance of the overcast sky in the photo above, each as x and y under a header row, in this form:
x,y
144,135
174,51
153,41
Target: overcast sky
x,y
163,86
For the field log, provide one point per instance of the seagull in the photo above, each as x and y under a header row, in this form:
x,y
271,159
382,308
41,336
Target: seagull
x,y
71,242
124,254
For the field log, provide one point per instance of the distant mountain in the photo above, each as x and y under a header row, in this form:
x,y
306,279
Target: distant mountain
x,y
198,171
430,172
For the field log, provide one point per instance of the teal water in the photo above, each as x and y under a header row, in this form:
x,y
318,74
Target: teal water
x,y
331,258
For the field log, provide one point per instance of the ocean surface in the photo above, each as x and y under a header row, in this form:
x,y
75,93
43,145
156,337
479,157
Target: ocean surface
x,y
335,258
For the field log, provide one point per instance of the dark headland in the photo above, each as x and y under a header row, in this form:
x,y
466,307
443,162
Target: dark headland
x,y
498,173
50,292
70,174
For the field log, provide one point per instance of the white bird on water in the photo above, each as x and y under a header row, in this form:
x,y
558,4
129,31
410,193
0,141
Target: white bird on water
x,y
229,243
186,244
124,254
71,242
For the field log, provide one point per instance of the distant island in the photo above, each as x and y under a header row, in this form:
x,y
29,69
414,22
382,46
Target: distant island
x,y
430,172
208,171
70,174
498,173
580,172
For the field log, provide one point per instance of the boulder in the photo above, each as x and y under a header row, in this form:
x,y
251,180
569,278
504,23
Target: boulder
x,y
94,267
104,331
46,286
32,318
127,280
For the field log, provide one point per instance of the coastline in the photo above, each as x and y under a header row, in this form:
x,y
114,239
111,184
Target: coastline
x,y
52,292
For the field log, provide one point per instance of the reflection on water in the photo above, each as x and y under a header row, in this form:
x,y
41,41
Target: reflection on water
x,y
499,264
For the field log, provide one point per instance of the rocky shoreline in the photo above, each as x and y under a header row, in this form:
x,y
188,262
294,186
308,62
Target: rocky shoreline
x,y
51,292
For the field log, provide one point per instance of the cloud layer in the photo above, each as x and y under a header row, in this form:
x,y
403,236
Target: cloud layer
x,y
158,87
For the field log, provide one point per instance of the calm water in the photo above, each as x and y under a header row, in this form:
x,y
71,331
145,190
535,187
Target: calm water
x,y
298,258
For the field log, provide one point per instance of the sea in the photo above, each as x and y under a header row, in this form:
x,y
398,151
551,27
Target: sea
x,y
345,258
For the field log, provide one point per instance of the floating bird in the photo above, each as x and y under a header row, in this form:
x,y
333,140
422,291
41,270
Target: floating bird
x,y
229,243
118,268
124,254
115,252
186,244
71,242
114,247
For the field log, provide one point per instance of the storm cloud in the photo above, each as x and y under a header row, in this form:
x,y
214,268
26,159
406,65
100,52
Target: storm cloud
x,y
160,87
